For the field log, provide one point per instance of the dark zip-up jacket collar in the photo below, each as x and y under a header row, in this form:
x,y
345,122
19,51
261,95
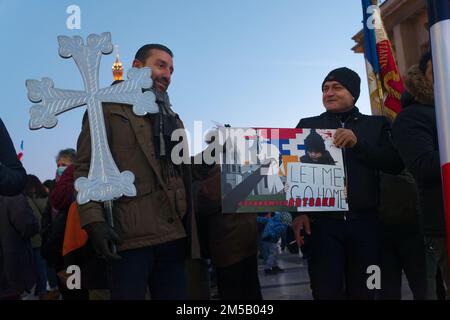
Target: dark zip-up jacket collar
x,y
343,116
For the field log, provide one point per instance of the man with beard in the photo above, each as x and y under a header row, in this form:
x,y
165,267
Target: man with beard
x,y
155,230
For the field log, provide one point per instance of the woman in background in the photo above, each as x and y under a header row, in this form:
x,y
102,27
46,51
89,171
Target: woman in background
x,y
37,198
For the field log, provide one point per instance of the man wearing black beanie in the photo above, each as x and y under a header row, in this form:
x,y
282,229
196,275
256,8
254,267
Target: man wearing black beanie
x,y
344,245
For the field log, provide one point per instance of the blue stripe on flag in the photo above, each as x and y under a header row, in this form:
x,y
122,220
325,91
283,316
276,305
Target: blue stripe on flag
x,y
284,142
370,40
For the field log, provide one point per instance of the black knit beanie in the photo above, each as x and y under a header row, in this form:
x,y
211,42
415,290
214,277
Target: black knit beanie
x,y
347,78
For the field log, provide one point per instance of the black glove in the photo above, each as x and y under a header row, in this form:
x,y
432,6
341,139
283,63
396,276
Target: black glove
x,y
103,237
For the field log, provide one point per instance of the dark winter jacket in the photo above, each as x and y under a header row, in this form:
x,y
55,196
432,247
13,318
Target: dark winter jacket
x,y
38,205
12,174
399,203
61,198
17,225
415,136
374,152
225,238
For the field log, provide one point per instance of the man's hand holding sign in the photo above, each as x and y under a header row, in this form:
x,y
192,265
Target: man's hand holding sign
x,y
344,138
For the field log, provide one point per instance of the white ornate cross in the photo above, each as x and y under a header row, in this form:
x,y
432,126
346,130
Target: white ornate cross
x,y
105,182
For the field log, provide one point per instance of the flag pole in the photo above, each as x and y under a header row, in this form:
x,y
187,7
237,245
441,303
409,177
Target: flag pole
x,y
380,93
439,22
378,77
371,57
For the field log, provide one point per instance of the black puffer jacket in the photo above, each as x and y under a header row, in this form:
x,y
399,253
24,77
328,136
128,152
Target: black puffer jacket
x,y
415,136
373,152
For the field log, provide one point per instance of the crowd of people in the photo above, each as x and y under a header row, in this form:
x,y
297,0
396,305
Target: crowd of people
x,y
174,234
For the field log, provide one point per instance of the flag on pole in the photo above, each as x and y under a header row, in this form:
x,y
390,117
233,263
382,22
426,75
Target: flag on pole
x,y
439,21
20,154
385,83
371,57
